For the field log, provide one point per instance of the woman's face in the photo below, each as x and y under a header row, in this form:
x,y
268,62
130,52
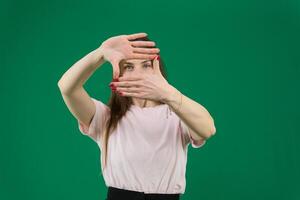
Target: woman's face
x,y
131,67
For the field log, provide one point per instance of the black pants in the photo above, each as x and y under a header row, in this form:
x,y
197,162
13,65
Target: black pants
x,y
122,194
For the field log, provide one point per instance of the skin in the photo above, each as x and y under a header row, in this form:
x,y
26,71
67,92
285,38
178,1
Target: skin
x,y
113,50
149,83
140,85
121,47
136,67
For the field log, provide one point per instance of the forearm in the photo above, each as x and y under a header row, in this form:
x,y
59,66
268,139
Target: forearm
x,y
194,115
76,76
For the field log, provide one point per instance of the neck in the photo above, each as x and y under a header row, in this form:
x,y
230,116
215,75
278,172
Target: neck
x,y
144,102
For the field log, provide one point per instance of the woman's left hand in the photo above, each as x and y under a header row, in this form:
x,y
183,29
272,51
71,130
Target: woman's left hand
x,y
147,86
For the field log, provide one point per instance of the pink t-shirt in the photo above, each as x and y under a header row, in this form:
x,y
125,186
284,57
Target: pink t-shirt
x,y
147,152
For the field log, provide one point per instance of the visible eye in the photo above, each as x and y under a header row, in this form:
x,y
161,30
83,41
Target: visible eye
x,y
147,65
128,66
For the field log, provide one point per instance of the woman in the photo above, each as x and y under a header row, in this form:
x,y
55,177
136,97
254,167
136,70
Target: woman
x,y
144,131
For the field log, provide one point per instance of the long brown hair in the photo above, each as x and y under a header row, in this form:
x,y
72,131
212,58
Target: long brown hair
x,y
119,105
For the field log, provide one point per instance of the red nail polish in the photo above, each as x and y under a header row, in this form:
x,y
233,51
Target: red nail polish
x,y
158,57
116,80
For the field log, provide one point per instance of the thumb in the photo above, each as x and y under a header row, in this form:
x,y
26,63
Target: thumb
x,y
116,69
156,65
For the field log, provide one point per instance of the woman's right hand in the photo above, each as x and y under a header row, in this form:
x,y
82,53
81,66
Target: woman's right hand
x,y
120,47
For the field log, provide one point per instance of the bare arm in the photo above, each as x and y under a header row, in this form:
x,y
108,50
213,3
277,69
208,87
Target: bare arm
x,y
193,114
113,50
155,87
71,87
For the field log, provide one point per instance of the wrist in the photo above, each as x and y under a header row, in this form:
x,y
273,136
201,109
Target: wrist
x,y
172,96
98,56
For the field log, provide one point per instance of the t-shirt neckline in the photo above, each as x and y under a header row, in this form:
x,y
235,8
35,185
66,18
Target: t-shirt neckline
x,y
150,107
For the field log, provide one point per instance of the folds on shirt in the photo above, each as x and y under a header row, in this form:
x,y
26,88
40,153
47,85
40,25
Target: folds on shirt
x,y
97,123
188,139
94,130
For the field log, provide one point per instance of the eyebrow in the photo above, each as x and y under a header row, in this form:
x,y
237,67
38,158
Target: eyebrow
x,y
141,62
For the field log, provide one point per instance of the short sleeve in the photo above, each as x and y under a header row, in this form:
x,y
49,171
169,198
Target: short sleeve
x,y
98,121
188,139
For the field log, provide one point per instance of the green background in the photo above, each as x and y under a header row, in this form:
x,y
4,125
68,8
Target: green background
x,y
239,59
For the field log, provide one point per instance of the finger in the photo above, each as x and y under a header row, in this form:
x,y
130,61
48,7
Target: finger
x,y
136,35
126,83
143,56
116,70
146,50
156,65
142,43
130,78
128,89
132,94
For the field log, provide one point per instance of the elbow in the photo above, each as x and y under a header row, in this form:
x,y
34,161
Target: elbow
x,y
210,133
212,130
63,89
208,130
59,85
207,134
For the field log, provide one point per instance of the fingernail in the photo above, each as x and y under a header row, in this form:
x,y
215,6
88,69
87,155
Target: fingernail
x,y
115,79
158,57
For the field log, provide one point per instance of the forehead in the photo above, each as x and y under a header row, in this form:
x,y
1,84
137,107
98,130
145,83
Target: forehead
x,y
136,61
